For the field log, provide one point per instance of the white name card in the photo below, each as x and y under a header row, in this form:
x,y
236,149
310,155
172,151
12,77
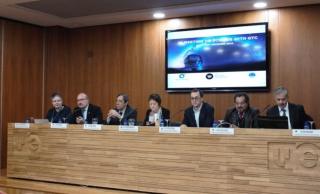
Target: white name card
x,y
169,130
222,131
305,133
127,128
58,125
22,125
92,126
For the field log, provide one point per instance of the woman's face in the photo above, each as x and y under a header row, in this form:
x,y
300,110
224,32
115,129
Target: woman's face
x,y
57,102
154,106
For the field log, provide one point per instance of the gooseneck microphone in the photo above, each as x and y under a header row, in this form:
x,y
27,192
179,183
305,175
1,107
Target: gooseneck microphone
x,y
265,109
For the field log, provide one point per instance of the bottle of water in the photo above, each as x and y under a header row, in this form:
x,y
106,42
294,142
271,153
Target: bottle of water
x,y
215,124
162,123
125,122
306,125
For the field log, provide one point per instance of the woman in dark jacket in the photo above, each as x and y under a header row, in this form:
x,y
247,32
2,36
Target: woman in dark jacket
x,y
155,113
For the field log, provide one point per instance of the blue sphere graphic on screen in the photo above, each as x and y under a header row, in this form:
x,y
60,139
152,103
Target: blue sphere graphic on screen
x,y
193,62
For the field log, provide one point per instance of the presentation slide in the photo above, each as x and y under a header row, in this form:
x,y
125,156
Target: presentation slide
x,y
226,57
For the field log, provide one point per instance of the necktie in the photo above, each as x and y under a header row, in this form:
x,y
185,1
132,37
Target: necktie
x,y
283,112
241,115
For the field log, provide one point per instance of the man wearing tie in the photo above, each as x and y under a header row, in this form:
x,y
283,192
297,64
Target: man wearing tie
x,y
86,113
295,113
200,114
122,113
242,115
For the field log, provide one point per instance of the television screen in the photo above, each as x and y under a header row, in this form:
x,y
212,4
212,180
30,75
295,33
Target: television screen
x,y
226,58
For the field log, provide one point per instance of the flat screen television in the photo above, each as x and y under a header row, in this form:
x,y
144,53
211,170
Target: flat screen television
x,y
224,58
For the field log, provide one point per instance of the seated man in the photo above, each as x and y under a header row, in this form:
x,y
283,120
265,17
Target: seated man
x,y
200,114
59,113
295,113
241,115
122,113
85,112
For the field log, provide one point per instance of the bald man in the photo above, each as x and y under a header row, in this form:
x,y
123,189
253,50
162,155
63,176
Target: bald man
x,y
85,112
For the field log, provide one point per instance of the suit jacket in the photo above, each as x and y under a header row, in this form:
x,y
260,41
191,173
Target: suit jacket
x,y
247,121
56,117
93,112
165,114
129,113
206,116
296,113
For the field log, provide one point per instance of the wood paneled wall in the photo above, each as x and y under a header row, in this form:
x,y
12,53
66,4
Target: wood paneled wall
x,y
22,75
106,60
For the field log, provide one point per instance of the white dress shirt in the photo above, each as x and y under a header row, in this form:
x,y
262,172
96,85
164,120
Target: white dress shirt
x,y
197,114
84,113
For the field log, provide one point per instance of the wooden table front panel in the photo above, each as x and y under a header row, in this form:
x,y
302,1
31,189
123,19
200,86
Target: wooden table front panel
x,y
251,161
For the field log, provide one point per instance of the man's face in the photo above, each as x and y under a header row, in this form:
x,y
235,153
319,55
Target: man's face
x,y
196,99
82,101
56,102
241,104
281,100
120,104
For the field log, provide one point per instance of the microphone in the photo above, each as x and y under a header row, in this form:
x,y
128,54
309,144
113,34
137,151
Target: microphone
x,y
176,113
52,117
227,123
264,111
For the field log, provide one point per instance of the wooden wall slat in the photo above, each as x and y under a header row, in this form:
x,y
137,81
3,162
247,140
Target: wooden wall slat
x,y
22,75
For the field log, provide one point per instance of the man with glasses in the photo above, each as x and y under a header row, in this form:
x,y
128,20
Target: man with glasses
x,y
242,115
200,114
295,113
86,113
121,114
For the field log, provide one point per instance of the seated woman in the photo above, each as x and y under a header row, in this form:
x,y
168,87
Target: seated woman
x,y
156,112
59,113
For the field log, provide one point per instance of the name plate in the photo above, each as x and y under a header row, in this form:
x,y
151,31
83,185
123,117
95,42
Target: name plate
x,y
222,131
305,133
22,125
92,126
58,125
169,130
126,128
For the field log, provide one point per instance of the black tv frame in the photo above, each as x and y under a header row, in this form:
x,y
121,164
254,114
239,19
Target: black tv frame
x,y
220,89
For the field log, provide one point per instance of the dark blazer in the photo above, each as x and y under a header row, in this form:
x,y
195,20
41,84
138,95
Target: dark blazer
x,y
296,113
130,113
165,114
55,117
247,121
93,112
206,117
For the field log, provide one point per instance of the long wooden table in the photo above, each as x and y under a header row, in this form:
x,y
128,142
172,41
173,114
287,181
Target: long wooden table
x,y
194,161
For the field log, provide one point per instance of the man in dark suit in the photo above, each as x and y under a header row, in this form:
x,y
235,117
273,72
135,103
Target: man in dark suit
x,y
122,113
59,113
295,113
86,112
242,115
200,114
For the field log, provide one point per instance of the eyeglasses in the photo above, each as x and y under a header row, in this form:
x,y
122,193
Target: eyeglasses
x,y
195,98
81,99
